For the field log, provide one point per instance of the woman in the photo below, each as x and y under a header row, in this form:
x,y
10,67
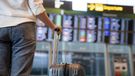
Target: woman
x,y
17,35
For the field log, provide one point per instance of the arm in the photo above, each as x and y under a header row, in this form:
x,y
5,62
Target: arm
x,y
38,10
44,18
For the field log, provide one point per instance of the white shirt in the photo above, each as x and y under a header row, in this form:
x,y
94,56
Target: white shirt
x,y
13,12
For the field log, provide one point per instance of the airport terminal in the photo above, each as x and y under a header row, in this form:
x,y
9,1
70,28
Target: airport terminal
x,y
99,35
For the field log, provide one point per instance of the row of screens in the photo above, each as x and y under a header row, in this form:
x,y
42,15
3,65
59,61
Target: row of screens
x,y
89,29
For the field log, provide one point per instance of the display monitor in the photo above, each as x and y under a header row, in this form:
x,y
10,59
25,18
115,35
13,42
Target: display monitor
x,y
67,34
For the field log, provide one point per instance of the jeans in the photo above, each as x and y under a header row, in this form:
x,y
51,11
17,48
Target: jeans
x,y
17,47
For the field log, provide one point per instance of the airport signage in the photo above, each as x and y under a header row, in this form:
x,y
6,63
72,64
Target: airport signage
x,y
109,8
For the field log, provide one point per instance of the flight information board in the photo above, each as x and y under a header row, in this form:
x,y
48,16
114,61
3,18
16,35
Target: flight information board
x,y
89,29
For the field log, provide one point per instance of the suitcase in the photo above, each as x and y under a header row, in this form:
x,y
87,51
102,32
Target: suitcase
x,y
64,69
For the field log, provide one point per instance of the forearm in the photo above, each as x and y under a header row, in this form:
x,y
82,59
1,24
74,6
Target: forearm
x,y
44,18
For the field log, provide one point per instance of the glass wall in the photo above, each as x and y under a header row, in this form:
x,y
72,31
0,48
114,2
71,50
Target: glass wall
x,y
99,43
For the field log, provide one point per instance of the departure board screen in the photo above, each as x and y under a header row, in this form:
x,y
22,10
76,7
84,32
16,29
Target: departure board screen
x,y
67,34
76,27
115,31
99,23
92,29
107,30
91,32
82,28
41,34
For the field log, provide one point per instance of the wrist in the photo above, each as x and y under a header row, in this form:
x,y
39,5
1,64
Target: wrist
x,y
54,26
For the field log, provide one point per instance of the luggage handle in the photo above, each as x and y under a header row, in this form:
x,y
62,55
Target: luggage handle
x,y
54,49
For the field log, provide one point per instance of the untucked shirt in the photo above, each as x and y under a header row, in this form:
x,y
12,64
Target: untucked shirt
x,y
14,12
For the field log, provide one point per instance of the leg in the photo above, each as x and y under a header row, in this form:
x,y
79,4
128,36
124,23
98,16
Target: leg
x,y
4,52
23,48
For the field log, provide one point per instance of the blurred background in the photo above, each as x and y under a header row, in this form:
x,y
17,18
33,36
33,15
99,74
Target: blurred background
x,y
98,34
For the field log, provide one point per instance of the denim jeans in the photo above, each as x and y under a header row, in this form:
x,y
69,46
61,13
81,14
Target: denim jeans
x,y
17,47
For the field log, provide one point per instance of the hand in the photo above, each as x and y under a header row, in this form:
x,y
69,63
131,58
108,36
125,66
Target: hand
x,y
58,29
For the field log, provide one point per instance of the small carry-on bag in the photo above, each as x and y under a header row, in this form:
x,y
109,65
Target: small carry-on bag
x,y
64,69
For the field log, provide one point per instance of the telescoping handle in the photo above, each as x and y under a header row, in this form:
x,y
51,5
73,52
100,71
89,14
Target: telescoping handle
x,y
55,47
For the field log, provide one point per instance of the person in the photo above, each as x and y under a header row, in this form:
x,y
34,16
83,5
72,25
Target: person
x,y
17,34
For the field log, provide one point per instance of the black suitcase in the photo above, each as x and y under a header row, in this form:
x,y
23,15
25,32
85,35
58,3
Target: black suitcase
x,y
62,69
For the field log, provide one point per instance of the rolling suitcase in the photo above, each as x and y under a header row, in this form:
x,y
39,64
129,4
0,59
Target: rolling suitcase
x,y
64,69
